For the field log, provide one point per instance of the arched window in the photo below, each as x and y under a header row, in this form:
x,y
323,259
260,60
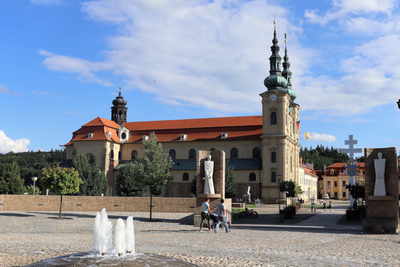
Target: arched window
x,y
234,153
134,155
212,149
185,176
273,118
192,154
273,157
92,159
273,177
112,154
119,155
252,176
256,152
172,153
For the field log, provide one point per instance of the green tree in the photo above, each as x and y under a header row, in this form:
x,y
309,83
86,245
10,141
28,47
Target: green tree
x,y
154,168
94,182
10,179
29,190
230,182
291,188
127,183
62,180
356,191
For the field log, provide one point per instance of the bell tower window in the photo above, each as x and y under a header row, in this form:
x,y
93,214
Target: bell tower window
x,y
273,118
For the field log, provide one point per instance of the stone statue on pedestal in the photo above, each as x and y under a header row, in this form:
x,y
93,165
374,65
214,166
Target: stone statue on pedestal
x,y
208,172
379,164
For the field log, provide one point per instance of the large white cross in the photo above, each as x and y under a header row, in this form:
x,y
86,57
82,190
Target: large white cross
x,y
351,150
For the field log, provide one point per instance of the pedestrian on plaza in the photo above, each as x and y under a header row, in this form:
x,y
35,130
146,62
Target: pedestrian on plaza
x,y
222,218
324,207
330,206
205,214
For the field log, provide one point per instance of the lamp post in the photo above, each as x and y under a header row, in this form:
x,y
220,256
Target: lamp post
x,y
279,186
34,179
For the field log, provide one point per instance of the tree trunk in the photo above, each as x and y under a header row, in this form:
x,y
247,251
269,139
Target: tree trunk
x,y
59,215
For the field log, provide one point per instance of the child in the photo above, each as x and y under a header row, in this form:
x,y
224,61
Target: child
x,y
324,207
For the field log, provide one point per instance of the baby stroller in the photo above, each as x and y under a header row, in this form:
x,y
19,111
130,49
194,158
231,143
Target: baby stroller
x,y
214,218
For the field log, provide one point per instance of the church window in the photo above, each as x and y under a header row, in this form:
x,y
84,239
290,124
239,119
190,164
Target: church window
x,y
273,157
172,153
273,118
256,152
192,154
234,153
335,183
112,154
252,177
134,155
185,176
273,177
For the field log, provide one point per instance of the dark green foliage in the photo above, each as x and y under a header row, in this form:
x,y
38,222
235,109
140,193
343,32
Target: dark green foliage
x,y
193,185
31,163
127,184
292,188
10,179
230,183
356,191
94,180
322,155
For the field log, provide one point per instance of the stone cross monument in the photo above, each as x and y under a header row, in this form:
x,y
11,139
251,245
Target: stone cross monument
x,y
351,150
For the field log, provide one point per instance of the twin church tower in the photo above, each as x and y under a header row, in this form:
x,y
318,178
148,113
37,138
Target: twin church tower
x,y
260,149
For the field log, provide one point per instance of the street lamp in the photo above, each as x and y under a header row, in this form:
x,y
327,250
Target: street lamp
x,y
279,186
34,179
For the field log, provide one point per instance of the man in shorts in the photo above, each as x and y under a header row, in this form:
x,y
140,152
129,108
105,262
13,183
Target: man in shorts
x,y
205,214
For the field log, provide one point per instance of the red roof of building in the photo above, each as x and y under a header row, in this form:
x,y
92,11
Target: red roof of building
x,y
237,128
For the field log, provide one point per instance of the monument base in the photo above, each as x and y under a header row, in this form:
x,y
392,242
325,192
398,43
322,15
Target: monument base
x,y
390,226
210,196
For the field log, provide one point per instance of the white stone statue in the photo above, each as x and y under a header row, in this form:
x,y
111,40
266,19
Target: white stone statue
x,y
379,164
248,193
208,171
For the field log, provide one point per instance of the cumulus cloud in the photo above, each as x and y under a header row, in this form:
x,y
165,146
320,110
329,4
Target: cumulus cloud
x,y
7,144
320,137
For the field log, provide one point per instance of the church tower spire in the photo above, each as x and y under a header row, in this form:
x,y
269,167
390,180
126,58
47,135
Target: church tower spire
x,y
275,80
288,74
119,109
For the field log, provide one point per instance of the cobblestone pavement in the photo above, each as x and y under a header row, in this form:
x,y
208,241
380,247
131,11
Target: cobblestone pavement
x,y
28,237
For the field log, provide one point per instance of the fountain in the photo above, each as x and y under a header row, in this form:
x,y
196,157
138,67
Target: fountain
x,y
105,254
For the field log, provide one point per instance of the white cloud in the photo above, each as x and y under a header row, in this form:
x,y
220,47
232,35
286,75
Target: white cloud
x,y
40,93
320,137
4,89
7,144
342,8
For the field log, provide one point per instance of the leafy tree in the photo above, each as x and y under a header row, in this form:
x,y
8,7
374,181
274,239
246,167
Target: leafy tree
x,y
127,183
291,188
230,183
193,185
10,179
94,182
356,191
321,156
29,190
62,180
154,168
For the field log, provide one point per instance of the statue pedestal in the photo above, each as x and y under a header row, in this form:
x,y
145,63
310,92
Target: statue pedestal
x,y
210,196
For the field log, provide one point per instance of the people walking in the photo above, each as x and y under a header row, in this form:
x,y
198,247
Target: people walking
x,y
222,216
324,206
205,214
330,206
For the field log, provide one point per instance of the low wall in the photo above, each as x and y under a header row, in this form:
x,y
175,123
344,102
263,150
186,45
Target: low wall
x,y
84,203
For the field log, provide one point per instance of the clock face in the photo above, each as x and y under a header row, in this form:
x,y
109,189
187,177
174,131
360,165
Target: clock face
x,y
273,97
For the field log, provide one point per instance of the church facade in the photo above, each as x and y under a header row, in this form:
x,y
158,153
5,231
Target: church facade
x,y
260,149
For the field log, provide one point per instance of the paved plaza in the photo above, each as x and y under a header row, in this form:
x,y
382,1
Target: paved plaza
x,y
310,239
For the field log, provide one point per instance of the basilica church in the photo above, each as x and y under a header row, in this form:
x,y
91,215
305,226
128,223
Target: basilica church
x,y
260,149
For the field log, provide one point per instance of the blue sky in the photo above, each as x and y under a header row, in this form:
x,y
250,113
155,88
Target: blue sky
x,y
61,63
